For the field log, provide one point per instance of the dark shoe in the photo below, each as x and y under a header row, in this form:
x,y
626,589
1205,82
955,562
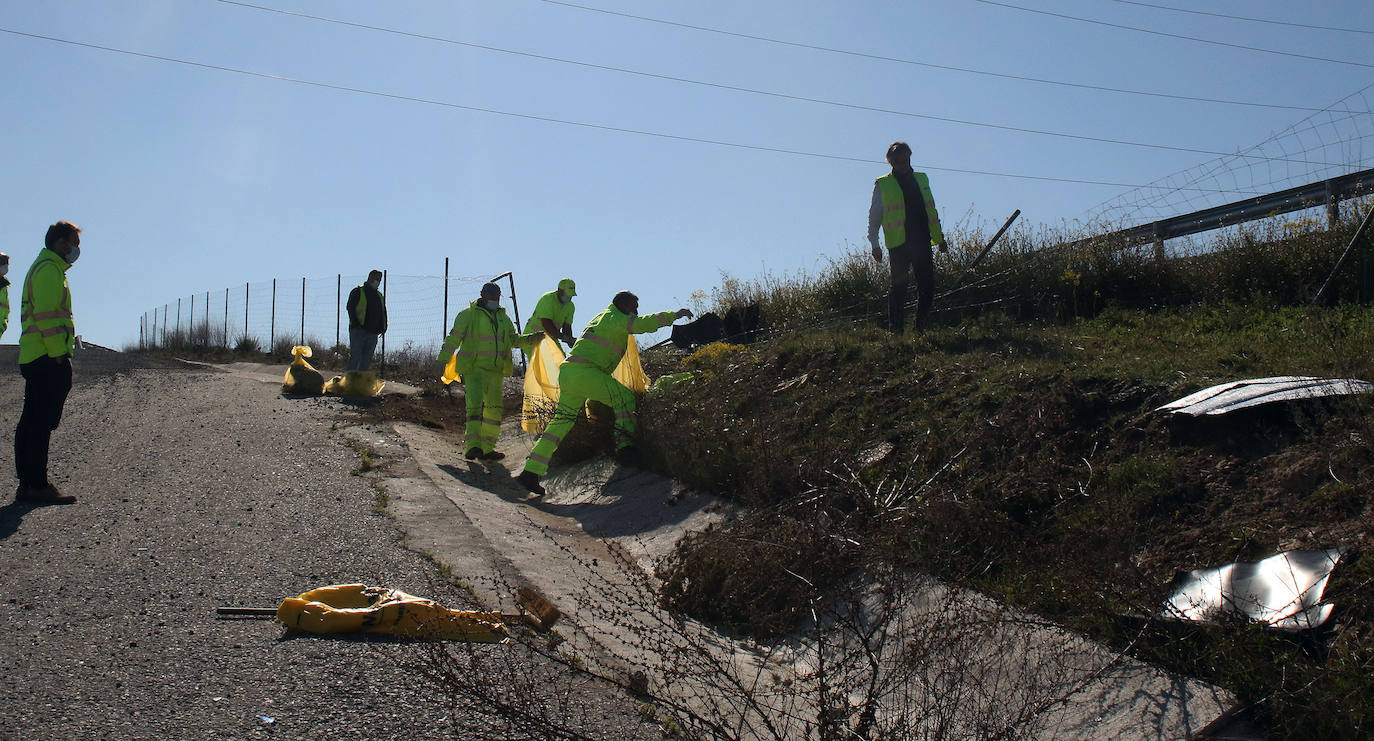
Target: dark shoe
x,y
42,495
628,456
473,453
494,455
530,481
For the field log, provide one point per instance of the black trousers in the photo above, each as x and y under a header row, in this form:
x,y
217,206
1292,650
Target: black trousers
x,y
47,382
907,259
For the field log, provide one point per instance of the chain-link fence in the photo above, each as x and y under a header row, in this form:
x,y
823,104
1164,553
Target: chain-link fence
x,y
267,315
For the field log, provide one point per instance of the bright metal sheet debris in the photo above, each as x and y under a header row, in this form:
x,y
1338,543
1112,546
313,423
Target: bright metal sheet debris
x,y
1282,591
1229,397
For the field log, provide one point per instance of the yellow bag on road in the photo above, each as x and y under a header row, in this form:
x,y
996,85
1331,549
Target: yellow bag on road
x,y
541,386
354,383
357,608
301,378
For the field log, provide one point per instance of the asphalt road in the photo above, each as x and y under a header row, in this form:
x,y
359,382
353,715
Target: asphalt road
x,y
198,489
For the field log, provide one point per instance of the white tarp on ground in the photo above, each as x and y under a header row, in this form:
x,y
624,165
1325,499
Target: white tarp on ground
x,y
1283,591
1229,397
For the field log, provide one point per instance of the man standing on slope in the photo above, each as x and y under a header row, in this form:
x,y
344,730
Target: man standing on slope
x,y
46,345
902,203
554,313
586,374
366,321
484,335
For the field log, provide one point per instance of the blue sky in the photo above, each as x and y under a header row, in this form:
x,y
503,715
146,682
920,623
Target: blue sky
x,y
188,179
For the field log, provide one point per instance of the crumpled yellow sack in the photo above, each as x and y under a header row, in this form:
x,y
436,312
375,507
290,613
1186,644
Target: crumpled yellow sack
x,y
630,372
301,377
541,386
451,371
358,608
354,383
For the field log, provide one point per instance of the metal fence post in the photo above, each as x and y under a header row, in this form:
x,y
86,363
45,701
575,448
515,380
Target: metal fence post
x,y
384,275
226,318
191,322
302,311
178,317
338,314
207,318
443,328
245,309
272,328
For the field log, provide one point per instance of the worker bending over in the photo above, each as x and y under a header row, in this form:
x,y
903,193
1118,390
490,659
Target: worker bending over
x,y
484,336
586,374
554,313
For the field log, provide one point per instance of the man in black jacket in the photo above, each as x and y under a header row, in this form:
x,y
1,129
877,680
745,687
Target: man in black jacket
x,y
366,321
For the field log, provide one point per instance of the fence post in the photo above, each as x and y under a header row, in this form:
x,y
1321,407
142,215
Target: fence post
x,y
338,306
302,311
1333,206
272,328
226,317
384,274
207,318
178,317
164,324
245,309
191,322
443,329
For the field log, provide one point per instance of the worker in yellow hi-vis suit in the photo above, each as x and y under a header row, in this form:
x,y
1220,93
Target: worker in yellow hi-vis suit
x,y
483,336
586,374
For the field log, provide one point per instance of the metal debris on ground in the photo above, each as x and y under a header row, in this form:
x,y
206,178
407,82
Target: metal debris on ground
x,y
1229,397
1283,592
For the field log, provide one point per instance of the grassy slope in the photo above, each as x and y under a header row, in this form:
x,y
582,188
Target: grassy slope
x,y
1026,461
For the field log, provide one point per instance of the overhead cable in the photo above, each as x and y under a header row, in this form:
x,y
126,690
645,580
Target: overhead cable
x,y
929,65
565,122
1177,36
753,91
1243,18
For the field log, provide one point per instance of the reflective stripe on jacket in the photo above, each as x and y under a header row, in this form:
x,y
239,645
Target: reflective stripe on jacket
x,y
484,340
603,342
45,310
894,210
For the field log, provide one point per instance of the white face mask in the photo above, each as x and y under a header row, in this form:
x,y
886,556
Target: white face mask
x,y
564,298
493,305
75,253
4,269
374,284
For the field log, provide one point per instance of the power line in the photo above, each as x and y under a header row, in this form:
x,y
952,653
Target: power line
x,y
1176,36
929,65
753,91
1243,18
564,122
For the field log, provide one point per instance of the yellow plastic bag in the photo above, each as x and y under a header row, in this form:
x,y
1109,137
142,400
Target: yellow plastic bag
x,y
357,608
630,372
301,378
451,371
354,383
541,386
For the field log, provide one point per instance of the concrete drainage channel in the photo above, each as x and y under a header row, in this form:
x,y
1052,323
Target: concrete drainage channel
x,y
947,663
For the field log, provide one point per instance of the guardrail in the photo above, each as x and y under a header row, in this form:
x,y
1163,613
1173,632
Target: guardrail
x,y
1327,193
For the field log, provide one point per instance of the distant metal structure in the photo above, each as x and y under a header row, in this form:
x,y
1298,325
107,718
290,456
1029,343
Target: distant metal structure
x,y
1329,193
